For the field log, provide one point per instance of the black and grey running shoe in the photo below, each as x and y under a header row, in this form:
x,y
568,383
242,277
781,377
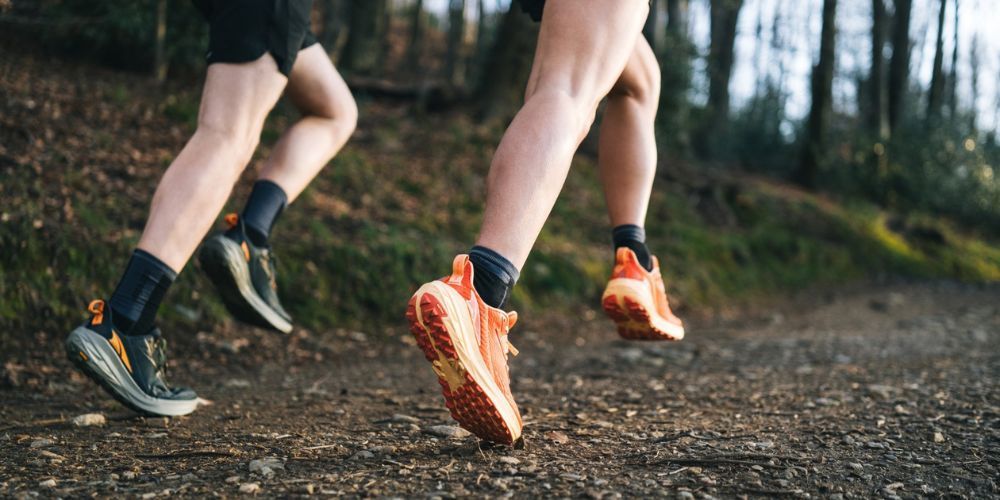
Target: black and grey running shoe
x,y
130,367
244,275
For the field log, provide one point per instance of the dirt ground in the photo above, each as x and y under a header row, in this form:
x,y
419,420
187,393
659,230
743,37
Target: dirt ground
x,y
888,391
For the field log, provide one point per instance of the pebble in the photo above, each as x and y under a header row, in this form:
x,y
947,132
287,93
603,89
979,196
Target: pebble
x,y
875,445
128,475
856,466
695,470
685,495
938,437
557,437
249,488
382,450
88,419
233,479
266,466
42,443
363,454
399,418
447,431
509,460
48,483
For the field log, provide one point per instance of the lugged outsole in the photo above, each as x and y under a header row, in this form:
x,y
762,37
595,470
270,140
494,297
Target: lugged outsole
x,y
75,349
468,403
219,263
633,320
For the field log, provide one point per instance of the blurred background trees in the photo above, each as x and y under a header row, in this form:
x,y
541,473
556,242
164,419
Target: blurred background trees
x,y
882,99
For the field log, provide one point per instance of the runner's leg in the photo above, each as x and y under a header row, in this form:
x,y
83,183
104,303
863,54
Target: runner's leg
x,y
234,104
581,53
329,116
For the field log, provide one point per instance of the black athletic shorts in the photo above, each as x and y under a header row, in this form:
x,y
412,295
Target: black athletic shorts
x,y
243,30
533,8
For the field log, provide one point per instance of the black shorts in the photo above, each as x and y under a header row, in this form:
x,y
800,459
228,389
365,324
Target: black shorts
x,y
243,30
533,8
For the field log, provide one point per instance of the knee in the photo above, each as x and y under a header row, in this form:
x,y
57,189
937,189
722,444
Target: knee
x,y
642,88
236,142
577,107
339,116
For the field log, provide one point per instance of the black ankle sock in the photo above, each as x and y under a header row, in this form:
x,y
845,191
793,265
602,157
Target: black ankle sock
x,y
494,276
633,237
139,293
265,203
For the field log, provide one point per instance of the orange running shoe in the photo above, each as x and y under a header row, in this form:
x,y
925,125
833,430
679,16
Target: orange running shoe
x,y
636,300
466,342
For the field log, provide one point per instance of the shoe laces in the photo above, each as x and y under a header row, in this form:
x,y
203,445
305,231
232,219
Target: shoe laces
x,y
508,323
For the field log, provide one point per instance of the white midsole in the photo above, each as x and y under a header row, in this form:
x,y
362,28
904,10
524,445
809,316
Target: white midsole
x,y
639,292
457,320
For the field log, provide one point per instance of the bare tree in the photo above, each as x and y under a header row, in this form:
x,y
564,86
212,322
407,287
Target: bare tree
x,y
160,51
822,99
456,41
366,22
415,50
899,65
878,118
937,72
953,77
508,64
723,19
675,75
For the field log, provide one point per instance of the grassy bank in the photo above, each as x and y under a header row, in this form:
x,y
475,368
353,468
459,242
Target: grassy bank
x,y
83,148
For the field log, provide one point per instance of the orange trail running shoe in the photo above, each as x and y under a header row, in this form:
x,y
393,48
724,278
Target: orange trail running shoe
x,y
466,342
636,300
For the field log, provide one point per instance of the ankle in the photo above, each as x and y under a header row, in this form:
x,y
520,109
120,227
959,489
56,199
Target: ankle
x,y
494,276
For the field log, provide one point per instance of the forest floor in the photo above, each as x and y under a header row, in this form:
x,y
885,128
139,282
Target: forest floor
x,y
888,390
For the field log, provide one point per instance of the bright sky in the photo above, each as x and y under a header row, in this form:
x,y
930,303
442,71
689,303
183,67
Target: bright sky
x,y
800,26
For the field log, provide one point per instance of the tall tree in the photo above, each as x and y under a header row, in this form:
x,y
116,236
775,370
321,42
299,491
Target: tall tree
x,y
160,46
652,24
333,32
723,19
507,66
937,71
822,99
974,84
953,73
878,119
415,50
675,78
456,42
899,65
366,23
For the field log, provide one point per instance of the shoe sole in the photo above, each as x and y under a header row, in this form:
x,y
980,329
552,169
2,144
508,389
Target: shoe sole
x,y
631,307
95,357
436,318
224,263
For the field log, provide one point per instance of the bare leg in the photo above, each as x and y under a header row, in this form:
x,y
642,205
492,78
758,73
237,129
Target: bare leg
x,y
329,117
627,149
581,53
234,104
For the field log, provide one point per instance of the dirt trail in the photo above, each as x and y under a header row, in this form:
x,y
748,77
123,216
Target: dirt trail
x,y
889,392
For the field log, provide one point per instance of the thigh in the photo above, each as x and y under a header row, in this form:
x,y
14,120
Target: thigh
x,y
316,88
583,47
237,97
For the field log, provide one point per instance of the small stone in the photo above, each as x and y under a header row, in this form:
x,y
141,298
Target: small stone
x,y
88,419
42,443
147,496
856,466
875,445
685,495
48,483
233,479
309,489
128,475
399,418
363,454
249,488
571,477
382,450
156,435
447,431
938,437
881,391
266,466
557,437
901,410
630,355
695,470
509,460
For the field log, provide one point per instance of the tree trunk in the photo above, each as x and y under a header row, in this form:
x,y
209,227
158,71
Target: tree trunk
x,y
160,52
364,40
974,85
652,25
878,119
334,32
675,76
937,72
822,99
724,15
456,41
507,67
953,78
415,50
899,65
